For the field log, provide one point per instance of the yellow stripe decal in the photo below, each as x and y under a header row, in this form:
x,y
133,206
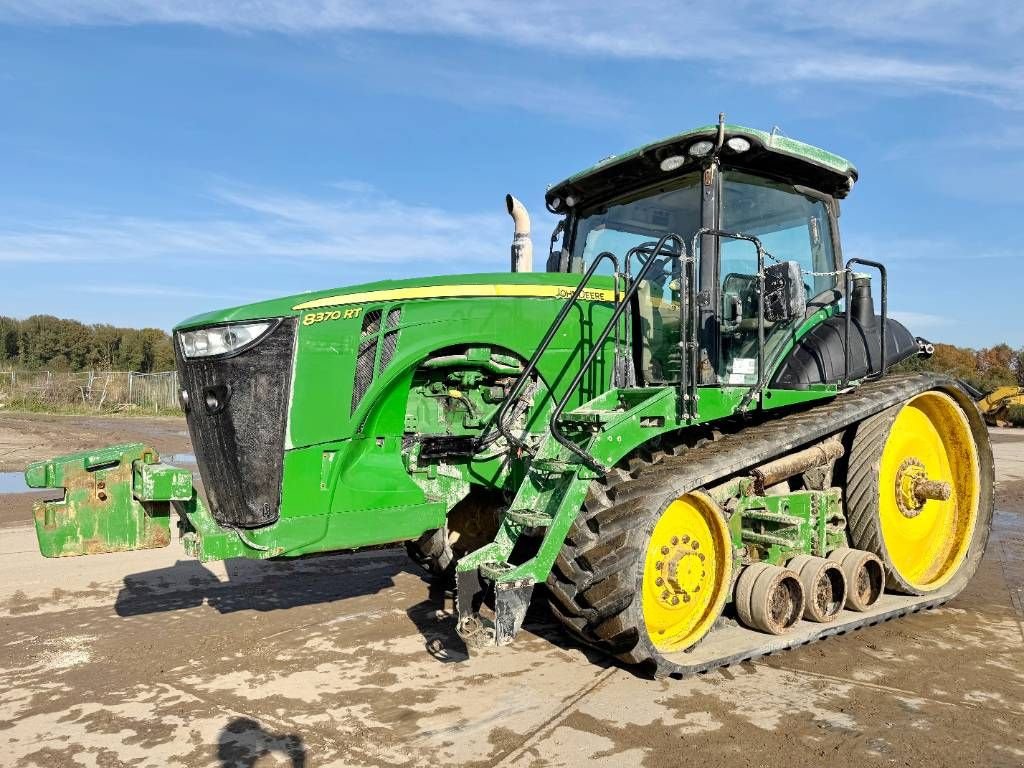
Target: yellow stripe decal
x,y
455,291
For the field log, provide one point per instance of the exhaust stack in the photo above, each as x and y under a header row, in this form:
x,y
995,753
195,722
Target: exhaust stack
x,y
522,245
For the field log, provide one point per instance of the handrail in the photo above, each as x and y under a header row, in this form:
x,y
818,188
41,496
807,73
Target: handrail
x,y
761,378
556,412
688,355
531,366
848,324
647,248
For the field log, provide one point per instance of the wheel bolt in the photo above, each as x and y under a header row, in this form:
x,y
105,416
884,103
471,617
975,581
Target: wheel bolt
x,y
659,582
686,598
701,556
664,594
658,565
686,539
664,550
675,540
675,600
696,545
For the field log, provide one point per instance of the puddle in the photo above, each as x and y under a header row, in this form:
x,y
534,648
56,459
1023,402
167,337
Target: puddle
x,y
13,482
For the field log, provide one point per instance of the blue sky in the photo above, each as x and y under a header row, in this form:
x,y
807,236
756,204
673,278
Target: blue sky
x,y
164,158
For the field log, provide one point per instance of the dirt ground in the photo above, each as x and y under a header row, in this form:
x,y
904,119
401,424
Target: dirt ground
x,y
149,659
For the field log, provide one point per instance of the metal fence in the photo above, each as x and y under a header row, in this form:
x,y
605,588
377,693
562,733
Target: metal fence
x,y
101,390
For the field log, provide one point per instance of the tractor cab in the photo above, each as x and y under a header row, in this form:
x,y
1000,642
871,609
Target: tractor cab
x,y
755,213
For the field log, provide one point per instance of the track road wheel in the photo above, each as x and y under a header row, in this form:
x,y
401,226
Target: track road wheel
x,y
915,492
640,582
769,598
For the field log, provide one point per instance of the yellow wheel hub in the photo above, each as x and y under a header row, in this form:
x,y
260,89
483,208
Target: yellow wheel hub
x,y
929,482
687,572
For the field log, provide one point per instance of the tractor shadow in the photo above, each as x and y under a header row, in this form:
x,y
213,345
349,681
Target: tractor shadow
x,y
435,619
269,585
243,743
260,585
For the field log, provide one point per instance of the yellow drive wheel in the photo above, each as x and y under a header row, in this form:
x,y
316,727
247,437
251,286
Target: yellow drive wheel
x,y
687,572
914,490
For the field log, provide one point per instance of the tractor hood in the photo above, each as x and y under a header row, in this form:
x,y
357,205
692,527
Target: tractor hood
x,y
498,284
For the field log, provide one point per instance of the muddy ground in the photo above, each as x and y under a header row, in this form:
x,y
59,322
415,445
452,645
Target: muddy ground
x,y
148,659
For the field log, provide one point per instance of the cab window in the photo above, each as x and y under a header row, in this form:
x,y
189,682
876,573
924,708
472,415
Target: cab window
x,y
791,226
644,218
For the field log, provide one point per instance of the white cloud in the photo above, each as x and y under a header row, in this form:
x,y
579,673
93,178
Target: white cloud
x,y
919,322
956,46
154,291
355,224
899,249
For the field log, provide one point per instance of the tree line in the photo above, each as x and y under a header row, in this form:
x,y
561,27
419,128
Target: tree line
x,y
45,342
984,369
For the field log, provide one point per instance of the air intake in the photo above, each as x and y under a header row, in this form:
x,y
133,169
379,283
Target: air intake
x,y
377,344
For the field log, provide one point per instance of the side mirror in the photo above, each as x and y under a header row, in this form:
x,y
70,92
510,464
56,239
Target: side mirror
x,y
785,296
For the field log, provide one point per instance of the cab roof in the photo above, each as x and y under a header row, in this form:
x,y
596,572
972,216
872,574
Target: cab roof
x,y
770,153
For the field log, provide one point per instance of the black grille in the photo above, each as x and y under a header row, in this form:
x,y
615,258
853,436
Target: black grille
x,y
370,339
371,322
237,416
387,349
364,370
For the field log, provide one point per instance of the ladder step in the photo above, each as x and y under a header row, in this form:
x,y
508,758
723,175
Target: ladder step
x,y
494,570
528,518
581,416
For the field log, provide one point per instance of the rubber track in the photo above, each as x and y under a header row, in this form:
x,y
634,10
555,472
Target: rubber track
x,y
597,574
434,554
862,483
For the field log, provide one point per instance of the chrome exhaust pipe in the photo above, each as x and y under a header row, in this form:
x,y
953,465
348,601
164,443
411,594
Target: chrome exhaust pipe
x,y
522,245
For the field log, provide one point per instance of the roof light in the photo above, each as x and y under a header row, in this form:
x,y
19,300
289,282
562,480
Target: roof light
x,y
570,201
701,148
556,203
672,162
738,144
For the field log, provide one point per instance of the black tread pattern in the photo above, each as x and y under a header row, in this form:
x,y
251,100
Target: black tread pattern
x,y
592,585
433,552
598,572
862,492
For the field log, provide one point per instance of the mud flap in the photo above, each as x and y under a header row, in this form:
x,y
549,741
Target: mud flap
x,y
511,600
116,499
510,603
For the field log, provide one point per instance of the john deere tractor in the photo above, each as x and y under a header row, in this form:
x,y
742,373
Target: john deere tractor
x,y
684,433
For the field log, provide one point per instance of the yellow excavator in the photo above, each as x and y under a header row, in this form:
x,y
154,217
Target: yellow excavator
x,y
996,404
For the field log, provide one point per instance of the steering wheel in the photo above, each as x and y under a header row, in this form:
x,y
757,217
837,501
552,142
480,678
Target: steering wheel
x,y
659,272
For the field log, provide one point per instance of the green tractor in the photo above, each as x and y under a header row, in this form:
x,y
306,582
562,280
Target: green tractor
x,y
684,432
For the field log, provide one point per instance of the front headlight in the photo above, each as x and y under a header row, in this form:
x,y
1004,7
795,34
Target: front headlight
x,y
221,339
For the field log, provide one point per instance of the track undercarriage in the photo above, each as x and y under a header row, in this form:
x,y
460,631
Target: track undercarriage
x,y
777,522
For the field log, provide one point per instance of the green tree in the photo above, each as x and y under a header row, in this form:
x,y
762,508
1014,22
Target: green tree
x,y
48,342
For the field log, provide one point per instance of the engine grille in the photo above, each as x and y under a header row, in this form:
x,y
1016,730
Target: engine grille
x,y
374,337
237,417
